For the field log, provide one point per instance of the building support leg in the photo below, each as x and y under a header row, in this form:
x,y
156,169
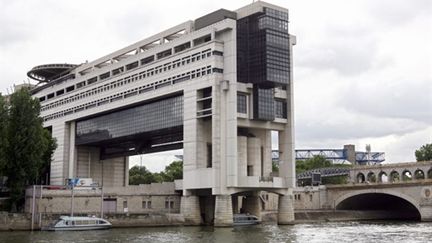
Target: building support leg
x,y
190,209
286,209
223,211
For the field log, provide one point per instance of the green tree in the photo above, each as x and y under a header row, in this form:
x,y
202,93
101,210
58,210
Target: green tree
x,y
424,153
173,171
315,162
141,175
28,145
3,133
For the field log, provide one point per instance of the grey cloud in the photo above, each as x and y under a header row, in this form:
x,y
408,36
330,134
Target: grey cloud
x,y
408,100
344,125
347,52
396,12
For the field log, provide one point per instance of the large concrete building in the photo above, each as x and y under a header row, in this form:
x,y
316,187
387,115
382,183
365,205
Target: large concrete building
x,y
218,87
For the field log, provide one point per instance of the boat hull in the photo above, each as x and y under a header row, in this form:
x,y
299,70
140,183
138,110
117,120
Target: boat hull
x,y
77,228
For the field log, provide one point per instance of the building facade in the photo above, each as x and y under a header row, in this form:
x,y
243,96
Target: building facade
x,y
218,87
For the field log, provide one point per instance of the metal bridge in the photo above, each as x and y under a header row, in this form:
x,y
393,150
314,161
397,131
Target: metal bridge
x,y
336,155
325,172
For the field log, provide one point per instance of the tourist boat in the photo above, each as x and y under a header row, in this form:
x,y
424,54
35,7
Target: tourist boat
x,y
78,223
245,219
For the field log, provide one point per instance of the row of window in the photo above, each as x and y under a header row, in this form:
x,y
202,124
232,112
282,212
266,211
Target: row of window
x,y
273,23
276,13
147,204
135,91
144,74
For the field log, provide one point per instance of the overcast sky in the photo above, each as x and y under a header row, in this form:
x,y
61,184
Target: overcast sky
x,y
362,69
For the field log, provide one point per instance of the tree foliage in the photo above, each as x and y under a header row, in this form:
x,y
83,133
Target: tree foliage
x,y
141,175
28,146
312,163
424,153
3,132
173,171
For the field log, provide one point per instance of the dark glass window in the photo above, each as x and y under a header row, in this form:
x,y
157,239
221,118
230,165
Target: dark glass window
x,y
209,155
217,53
241,103
104,76
147,60
263,104
182,47
132,65
217,70
280,109
150,117
92,80
164,54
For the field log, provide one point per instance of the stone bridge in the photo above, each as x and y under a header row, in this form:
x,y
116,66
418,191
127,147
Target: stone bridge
x,y
401,190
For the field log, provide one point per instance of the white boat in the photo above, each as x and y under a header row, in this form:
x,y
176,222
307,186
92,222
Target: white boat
x,y
245,219
78,223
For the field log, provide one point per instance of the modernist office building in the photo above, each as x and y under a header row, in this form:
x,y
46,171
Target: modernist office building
x,y
216,87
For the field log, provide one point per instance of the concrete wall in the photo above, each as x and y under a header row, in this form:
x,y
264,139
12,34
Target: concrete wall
x,y
88,201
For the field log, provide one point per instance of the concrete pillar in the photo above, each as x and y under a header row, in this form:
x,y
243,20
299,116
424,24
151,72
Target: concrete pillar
x,y
242,156
254,155
223,211
190,209
286,209
287,157
252,205
267,156
72,151
60,159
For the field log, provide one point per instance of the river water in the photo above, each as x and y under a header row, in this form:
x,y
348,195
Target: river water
x,y
368,231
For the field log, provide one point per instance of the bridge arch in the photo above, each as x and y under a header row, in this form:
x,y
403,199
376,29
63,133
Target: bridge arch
x,y
394,176
382,177
429,173
407,175
419,174
371,177
360,178
400,205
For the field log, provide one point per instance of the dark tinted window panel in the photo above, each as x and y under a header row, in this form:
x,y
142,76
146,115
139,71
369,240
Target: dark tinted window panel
x,y
147,60
132,65
92,80
60,92
159,115
104,76
70,88
263,104
182,47
164,54
241,103
280,109
118,70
